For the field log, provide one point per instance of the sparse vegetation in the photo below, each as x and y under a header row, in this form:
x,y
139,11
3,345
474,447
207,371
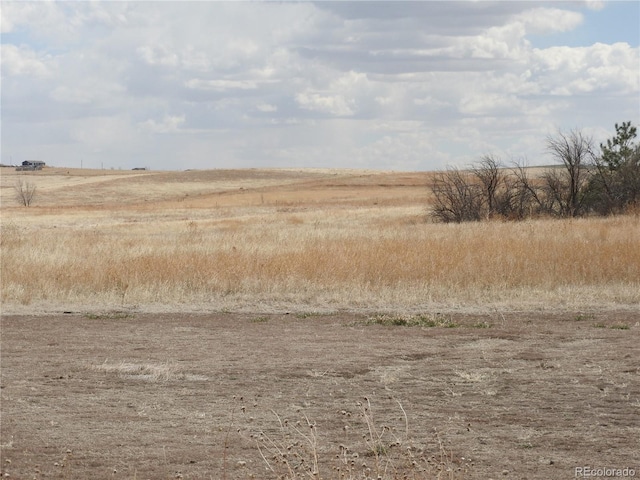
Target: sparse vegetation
x,y
109,315
261,319
581,316
481,325
294,449
429,321
305,315
153,372
151,397
620,326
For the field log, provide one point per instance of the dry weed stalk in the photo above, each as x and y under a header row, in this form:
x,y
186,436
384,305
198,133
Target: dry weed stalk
x,y
150,372
295,450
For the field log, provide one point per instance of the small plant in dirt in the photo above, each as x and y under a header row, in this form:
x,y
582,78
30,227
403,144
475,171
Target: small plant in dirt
x,y
481,325
420,320
620,326
117,315
304,315
262,319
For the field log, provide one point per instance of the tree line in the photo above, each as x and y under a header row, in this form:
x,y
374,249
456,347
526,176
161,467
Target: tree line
x,y
583,182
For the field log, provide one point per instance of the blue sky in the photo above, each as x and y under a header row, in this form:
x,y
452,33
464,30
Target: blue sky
x,y
614,22
381,85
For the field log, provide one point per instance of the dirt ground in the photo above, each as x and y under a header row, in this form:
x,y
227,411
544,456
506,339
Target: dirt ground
x,y
124,396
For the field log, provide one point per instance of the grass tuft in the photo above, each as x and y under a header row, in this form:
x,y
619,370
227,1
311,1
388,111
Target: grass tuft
x,y
481,325
620,326
421,320
109,315
262,319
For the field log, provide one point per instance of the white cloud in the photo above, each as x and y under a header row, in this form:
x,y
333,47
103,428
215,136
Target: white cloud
x,y
87,91
266,107
490,104
158,55
411,84
430,101
16,14
496,42
336,105
221,85
595,4
345,94
609,68
104,134
544,20
400,145
168,124
23,60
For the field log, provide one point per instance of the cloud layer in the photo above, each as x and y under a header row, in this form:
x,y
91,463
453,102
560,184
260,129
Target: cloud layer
x,y
393,85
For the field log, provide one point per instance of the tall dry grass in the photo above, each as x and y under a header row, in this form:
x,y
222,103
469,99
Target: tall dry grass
x,y
358,258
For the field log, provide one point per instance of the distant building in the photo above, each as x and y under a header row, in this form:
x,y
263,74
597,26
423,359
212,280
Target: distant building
x,y
31,165
139,168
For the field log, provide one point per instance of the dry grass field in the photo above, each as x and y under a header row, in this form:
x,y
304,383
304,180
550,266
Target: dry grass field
x,y
268,324
278,240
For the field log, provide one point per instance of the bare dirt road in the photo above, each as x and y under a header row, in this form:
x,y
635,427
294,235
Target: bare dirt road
x,y
519,396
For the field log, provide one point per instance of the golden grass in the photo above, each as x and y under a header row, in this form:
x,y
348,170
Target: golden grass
x,y
317,240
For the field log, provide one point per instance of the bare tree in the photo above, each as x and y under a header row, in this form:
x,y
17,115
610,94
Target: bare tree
x,y
457,198
555,194
489,173
486,190
525,196
567,189
25,192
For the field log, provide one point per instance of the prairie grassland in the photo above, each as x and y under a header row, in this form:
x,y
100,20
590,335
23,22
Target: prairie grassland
x,y
266,240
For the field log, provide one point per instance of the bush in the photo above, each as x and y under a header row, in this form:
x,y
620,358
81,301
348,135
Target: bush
x,y
457,198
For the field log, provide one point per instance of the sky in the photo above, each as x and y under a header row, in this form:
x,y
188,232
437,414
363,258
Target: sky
x,y
386,85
